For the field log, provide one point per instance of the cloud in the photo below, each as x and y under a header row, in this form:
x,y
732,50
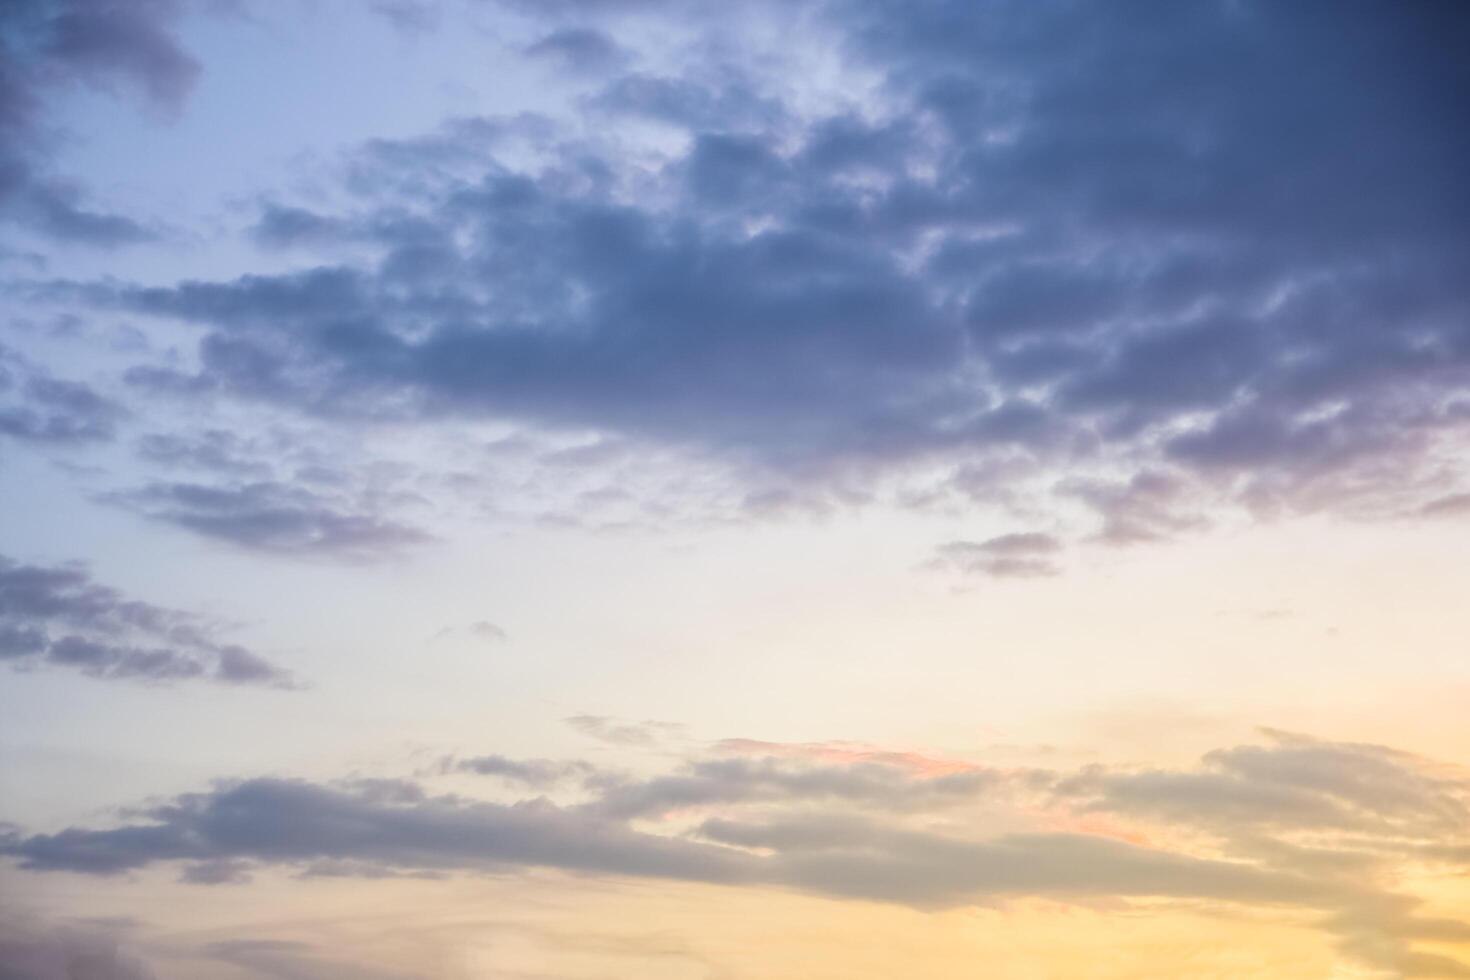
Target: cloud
x,y
58,616
37,408
55,208
1294,823
1295,782
292,821
482,631
1291,823
536,773
51,47
875,785
486,630
1019,555
1151,506
579,49
1453,505
216,873
213,450
409,16
32,949
290,960
273,517
614,732
1240,291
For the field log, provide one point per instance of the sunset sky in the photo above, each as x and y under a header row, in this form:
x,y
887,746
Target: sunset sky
x,y
710,490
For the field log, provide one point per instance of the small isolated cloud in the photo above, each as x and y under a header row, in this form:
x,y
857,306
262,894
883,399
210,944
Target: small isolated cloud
x,y
58,616
1022,555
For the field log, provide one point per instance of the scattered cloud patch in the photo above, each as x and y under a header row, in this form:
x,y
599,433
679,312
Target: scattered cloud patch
x,y
58,616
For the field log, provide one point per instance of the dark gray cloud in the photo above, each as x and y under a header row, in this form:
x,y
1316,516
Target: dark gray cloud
x,y
275,517
1234,268
58,616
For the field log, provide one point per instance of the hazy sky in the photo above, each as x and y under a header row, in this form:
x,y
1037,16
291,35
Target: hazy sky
x,y
761,490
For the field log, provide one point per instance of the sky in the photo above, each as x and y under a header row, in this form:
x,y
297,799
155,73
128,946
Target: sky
x,y
583,489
